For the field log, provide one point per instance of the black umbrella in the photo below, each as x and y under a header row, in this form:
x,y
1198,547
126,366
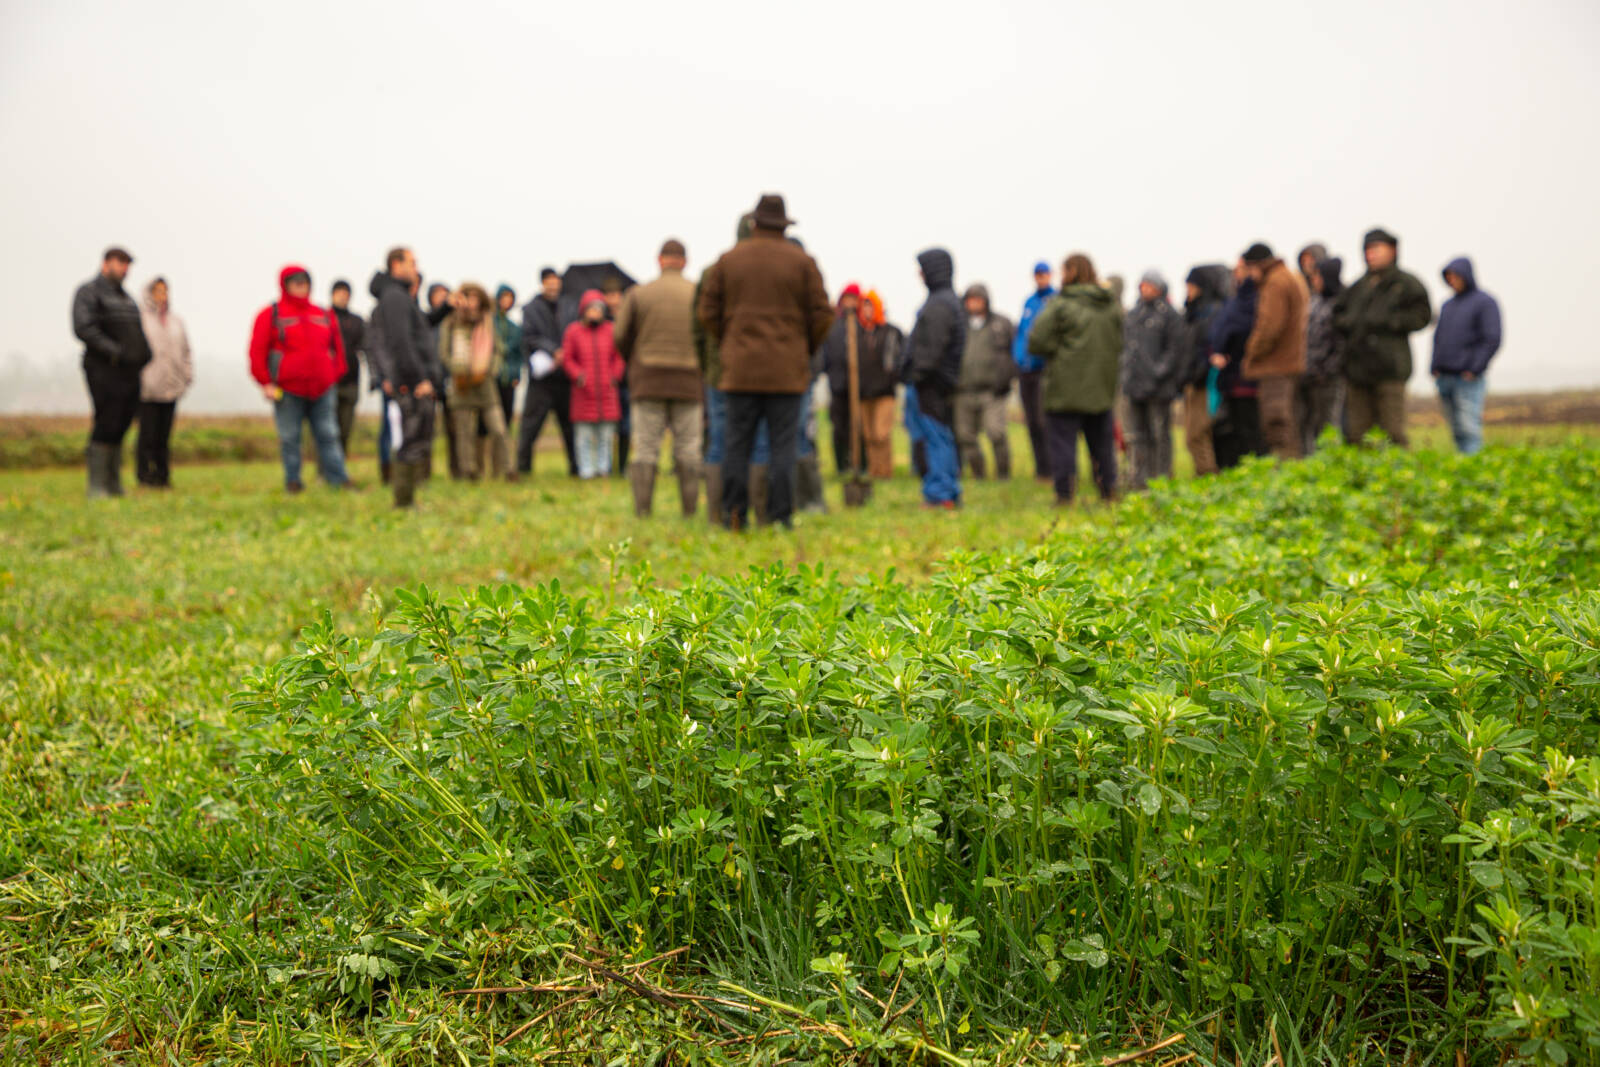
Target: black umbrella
x,y
581,277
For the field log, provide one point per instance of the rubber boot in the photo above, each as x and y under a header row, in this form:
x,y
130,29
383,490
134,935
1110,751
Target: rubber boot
x,y
713,472
642,477
808,486
103,461
405,478
114,469
1002,465
689,489
758,492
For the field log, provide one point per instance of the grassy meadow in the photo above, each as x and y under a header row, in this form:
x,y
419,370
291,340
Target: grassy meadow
x,y
1292,763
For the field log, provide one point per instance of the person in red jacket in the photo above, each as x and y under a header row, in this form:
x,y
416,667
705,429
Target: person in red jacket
x,y
297,356
590,358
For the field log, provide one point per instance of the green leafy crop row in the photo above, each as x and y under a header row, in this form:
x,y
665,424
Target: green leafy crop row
x,y
1305,750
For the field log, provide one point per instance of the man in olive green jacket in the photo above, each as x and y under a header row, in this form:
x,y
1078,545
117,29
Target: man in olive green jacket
x,y
1079,336
1376,317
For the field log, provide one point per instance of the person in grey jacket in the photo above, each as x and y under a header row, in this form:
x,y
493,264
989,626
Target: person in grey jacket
x,y
1319,395
984,385
401,351
107,321
1154,347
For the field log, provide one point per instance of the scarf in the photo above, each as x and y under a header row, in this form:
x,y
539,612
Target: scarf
x,y
470,363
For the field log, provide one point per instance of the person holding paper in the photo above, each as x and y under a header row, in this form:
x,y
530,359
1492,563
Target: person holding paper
x,y
548,391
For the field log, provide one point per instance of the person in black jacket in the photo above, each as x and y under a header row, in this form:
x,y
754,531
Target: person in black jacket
x,y
932,368
405,360
549,391
1207,287
106,319
353,329
1236,418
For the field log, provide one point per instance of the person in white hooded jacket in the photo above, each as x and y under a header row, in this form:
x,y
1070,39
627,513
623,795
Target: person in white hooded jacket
x,y
162,383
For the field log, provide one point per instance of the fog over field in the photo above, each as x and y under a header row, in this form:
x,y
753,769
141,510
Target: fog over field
x,y
221,141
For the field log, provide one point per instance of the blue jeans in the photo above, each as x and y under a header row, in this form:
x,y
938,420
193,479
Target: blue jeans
x,y
911,413
942,483
593,442
716,426
289,412
1463,410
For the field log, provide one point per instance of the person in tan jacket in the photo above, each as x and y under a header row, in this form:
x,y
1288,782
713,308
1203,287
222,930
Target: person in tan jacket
x,y
162,383
655,334
471,350
1275,354
765,306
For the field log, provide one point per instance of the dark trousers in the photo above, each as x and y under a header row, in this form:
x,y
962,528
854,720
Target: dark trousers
x,y
549,395
114,392
1099,433
452,456
1382,405
153,454
508,404
746,412
624,429
349,397
411,422
1318,403
1030,384
1279,431
839,416
1237,431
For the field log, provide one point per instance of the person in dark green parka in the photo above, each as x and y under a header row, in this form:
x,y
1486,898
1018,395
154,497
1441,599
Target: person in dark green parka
x,y
1079,337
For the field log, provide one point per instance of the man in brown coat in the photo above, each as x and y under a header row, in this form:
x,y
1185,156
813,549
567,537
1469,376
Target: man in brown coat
x,y
655,334
1275,354
765,306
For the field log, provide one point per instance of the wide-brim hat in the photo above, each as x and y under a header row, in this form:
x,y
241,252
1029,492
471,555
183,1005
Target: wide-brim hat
x,y
771,214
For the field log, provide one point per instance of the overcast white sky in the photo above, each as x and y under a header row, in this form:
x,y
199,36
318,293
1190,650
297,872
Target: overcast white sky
x,y
219,141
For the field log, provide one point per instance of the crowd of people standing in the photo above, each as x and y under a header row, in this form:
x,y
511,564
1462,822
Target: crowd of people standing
x,y
1263,357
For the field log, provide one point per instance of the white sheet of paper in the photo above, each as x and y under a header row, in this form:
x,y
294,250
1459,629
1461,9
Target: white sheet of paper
x,y
396,437
541,363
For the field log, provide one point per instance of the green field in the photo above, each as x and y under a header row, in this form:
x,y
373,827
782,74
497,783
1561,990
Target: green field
x,y
1295,762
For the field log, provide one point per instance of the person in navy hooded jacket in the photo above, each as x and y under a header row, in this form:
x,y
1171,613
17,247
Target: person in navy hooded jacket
x,y
1465,340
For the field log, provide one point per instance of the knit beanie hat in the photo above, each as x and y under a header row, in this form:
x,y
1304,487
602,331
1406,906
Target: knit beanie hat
x,y
1257,253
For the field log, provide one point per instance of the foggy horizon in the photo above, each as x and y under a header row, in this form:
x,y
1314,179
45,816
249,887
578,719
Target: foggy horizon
x,y
218,143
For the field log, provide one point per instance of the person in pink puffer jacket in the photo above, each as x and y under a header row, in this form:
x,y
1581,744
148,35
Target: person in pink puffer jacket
x,y
589,357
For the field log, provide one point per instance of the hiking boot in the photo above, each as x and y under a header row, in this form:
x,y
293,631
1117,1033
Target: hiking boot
x,y
642,477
